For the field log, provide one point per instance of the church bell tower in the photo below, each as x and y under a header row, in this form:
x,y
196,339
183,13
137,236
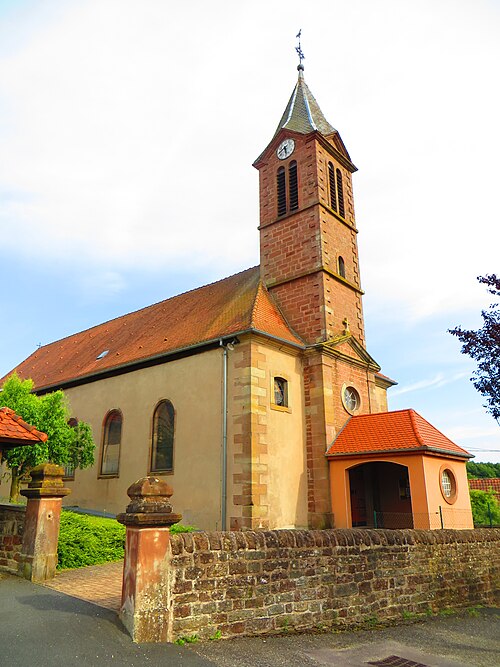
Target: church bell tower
x,y
308,246
309,264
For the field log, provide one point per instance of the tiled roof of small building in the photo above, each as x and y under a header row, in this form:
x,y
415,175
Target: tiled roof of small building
x,y
486,484
14,429
389,432
234,305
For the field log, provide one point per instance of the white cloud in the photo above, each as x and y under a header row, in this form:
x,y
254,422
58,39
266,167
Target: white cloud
x,y
129,130
436,382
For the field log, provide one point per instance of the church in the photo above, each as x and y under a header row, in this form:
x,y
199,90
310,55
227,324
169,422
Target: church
x,y
255,396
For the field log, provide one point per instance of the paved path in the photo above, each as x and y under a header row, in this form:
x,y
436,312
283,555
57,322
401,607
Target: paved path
x,y
100,584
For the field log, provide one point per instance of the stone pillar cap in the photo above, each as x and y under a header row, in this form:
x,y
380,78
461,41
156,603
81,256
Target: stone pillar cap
x,y
149,503
46,482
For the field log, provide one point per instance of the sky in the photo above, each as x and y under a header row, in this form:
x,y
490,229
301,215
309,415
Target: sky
x,y
127,136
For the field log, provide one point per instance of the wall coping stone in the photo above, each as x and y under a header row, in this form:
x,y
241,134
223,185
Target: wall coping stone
x,y
276,539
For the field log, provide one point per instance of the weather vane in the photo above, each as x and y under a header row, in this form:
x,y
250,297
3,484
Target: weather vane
x,y
298,48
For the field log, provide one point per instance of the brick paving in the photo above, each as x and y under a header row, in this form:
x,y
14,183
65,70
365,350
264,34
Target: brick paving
x,y
99,584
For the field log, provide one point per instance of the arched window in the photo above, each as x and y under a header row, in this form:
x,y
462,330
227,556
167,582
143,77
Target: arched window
x,y
280,389
69,468
340,193
281,183
293,186
341,267
162,446
112,437
333,189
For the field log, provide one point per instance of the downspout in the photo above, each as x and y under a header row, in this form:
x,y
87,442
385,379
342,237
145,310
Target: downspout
x,y
224,437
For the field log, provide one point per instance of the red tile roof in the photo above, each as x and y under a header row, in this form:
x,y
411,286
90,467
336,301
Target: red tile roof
x,y
15,431
224,308
486,484
388,432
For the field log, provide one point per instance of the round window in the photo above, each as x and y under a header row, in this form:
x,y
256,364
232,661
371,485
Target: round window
x,y
448,485
350,399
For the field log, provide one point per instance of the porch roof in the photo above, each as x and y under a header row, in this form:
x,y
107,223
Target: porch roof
x,y
391,432
14,431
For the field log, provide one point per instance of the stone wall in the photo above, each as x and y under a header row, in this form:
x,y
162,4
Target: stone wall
x,y
11,536
244,583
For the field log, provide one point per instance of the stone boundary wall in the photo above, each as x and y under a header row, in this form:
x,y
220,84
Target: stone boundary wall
x,y
11,536
256,582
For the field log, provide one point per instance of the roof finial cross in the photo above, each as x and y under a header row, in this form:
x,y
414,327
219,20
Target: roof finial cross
x,y
300,53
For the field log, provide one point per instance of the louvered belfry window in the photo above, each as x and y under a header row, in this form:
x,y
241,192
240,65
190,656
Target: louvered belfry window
x,y
293,186
333,188
281,183
340,193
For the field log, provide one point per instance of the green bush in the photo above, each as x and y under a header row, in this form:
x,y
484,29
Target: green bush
x,y
484,504
88,540
91,540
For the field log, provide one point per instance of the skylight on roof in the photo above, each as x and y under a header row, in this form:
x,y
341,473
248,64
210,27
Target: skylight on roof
x,y
102,355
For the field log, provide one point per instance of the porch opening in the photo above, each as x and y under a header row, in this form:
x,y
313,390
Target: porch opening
x,y
380,495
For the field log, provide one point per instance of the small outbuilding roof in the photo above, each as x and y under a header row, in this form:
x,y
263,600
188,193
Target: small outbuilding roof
x,y
14,431
392,432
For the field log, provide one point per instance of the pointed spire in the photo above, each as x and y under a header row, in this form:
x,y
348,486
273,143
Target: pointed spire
x,y
302,113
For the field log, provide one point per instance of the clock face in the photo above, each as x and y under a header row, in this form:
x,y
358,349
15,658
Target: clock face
x,y
285,149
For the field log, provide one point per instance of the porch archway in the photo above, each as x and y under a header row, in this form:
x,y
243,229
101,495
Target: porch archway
x,y
380,495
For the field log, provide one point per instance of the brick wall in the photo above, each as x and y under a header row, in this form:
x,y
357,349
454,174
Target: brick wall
x,y
11,536
245,583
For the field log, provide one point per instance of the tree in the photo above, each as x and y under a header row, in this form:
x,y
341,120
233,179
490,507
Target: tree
x,y
485,508
482,470
483,346
65,445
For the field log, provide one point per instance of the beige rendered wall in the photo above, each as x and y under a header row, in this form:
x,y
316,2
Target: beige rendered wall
x,y
266,461
194,387
457,513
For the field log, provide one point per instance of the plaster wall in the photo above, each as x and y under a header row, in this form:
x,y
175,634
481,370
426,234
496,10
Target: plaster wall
x,y
194,386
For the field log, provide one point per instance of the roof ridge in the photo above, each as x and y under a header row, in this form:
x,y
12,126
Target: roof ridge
x,y
139,310
411,414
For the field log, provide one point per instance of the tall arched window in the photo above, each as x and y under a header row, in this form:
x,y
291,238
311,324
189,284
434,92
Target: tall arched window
x,y
333,189
112,437
341,267
340,193
281,185
162,446
293,186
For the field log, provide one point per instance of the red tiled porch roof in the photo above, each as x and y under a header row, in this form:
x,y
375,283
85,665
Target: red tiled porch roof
x,y
390,432
15,431
234,305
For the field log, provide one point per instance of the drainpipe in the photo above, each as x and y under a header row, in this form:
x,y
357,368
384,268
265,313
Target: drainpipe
x,y
224,437
226,346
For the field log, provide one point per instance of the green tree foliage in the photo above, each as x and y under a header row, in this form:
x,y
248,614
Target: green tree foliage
x,y
485,508
66,445
482,470
483,346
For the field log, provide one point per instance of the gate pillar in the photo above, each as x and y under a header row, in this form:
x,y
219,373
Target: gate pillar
x,y
38,557
145,608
